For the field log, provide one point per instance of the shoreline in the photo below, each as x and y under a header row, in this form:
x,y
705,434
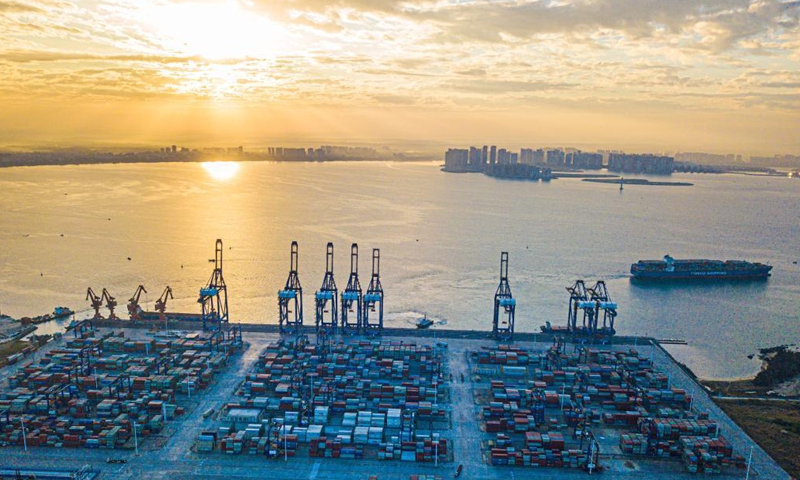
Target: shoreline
x,y
68,163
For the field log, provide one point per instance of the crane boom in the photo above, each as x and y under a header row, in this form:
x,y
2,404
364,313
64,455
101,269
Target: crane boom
x,y
111,303
134,310
95,301
161,303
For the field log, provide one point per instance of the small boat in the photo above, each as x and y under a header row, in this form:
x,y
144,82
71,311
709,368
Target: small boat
x,y
58,313
424,322
62,312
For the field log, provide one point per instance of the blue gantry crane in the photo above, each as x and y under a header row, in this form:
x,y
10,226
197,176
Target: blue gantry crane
x,y
504,304
599,295
577,295
373,299
352,297
290,299
327,297
214,296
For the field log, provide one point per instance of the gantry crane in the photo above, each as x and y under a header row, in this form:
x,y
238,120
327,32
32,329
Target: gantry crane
x,y
589,308
82,328
111,304
373,299
134,310
352,297
214,296
96,302
290,299
599,294
577,294
327,297
504,304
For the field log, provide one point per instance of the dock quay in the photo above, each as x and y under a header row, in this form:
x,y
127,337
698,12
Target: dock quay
x,y
341,407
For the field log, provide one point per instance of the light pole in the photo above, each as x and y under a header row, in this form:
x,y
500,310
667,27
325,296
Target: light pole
x,y
135,439
96,380
285,448
436,458
435,347
749,462
25,436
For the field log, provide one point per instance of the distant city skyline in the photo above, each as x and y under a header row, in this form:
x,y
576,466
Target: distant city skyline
x,y
700,75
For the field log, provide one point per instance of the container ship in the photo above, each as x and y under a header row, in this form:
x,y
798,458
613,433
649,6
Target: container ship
x,y
672,269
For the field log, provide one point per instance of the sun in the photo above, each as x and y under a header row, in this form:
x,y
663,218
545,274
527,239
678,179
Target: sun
x,y
221,170
215,29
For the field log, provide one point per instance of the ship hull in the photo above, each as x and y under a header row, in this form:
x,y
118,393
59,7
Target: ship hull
x,y
701,275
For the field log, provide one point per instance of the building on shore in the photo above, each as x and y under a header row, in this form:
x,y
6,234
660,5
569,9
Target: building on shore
x,y
584,160
640,163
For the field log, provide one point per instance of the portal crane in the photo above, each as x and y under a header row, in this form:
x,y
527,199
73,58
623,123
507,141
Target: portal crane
x,y
134,310
161,305
577,294
290,299
96,302
504,304
373,299
214,296
327,297
599,294
111,304
352,297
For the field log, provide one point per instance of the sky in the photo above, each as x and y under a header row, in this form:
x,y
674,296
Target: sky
x,y
662,75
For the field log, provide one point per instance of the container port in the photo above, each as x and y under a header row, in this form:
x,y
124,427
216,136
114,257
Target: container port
x,y
352,399
253,396
346,398
566,409
107,391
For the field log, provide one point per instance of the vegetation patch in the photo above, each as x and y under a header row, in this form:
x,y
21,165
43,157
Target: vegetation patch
x,y
774,425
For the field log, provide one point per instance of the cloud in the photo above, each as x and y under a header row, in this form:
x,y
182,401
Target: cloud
x,y
520,57
395,99
507,86
17,7
43,56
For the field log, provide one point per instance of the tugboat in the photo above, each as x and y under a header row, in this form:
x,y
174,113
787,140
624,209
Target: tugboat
x,y
61,312
424,322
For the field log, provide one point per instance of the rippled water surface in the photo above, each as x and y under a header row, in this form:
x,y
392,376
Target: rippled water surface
x,y
440,237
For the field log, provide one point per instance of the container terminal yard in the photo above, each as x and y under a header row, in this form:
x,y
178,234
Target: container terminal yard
x,y
173,396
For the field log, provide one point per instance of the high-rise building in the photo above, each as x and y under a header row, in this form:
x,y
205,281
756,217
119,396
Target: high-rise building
x,y
475,162
456,160
647,163
493,155
526,156
538,157
555,158
502,157
578,159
